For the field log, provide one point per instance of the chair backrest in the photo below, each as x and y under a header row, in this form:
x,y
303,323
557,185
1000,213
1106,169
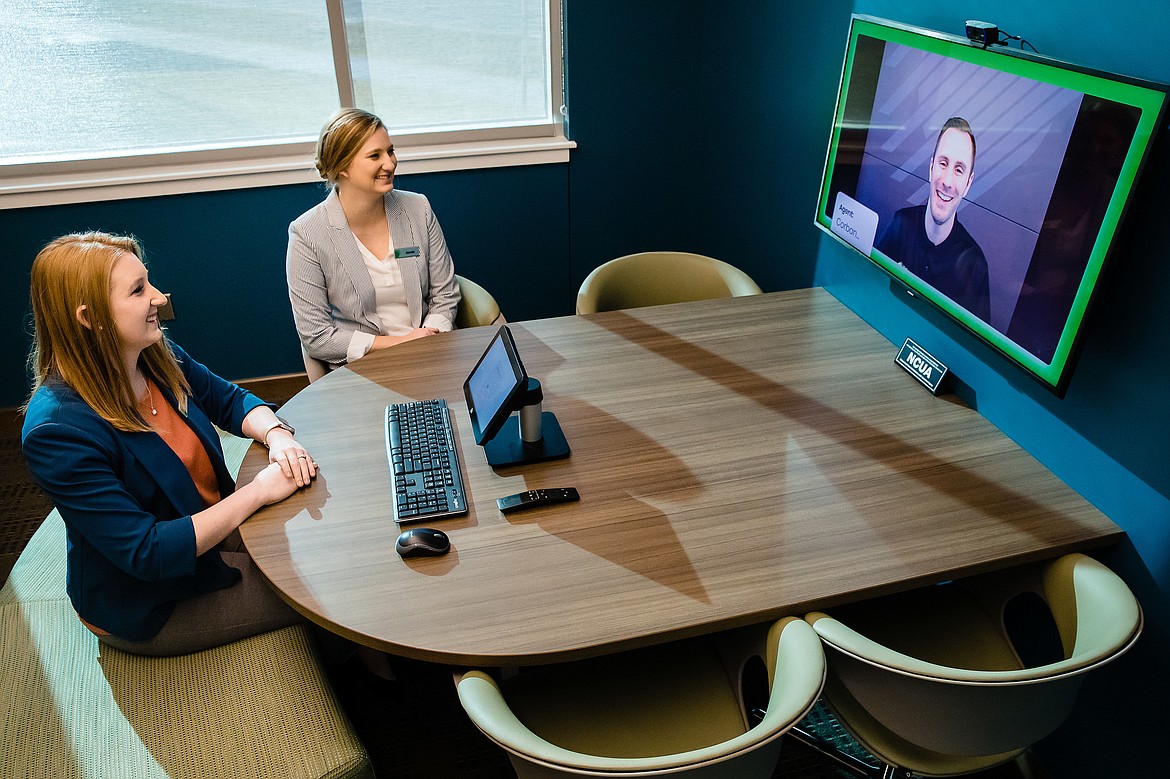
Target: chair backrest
x,y
899,704
314,368
657,278
626,706
477,307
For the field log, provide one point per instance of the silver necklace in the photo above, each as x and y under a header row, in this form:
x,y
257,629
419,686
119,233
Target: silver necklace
x,y
150,398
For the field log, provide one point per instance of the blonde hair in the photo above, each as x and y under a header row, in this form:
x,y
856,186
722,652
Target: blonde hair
x,y
342,139
72,271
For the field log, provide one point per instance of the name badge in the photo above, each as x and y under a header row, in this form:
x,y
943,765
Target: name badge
x,y
406,251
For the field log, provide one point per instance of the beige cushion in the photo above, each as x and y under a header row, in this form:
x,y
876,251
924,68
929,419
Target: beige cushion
x,y
635,704
71,707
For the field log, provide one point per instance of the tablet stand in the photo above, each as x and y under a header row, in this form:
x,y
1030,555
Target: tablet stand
x,y
532,436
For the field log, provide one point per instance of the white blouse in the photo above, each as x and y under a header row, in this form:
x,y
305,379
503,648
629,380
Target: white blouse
x,y
390,297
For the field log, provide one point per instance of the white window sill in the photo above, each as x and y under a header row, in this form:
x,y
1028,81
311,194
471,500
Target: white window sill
x,y
74,184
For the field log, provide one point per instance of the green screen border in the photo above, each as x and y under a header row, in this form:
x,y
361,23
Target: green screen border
x,y
1150,99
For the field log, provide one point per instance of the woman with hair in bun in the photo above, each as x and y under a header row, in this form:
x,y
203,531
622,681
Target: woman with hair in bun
x,y
368,268
120,433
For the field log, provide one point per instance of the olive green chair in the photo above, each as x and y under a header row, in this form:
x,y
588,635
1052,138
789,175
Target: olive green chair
x,y
656,278
934,683
477,308
675,709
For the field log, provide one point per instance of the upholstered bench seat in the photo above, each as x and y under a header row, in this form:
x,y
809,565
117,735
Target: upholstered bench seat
x,y
70,707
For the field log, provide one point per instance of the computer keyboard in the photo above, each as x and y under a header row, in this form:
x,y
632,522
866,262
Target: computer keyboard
x,y
424,461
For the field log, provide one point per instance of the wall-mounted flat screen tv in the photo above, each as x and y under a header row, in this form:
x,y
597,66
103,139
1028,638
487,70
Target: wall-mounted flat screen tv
x,y
990,182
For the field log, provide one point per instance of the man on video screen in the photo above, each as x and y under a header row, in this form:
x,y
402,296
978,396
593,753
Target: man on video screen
x,y
929,240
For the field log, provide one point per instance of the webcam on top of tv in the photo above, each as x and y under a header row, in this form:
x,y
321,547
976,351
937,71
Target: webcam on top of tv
x,y
987,34
983,33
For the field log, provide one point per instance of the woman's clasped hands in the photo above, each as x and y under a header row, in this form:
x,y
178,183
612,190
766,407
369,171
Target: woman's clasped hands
x,y
292,458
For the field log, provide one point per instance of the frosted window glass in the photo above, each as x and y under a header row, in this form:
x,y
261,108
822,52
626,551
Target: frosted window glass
x,y
83,77
426,65
121,98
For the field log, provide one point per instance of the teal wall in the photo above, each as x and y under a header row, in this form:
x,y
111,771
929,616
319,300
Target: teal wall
x,y
702,126
1107,437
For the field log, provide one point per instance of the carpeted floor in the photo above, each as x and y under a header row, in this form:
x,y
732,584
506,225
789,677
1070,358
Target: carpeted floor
x,y
23,505
413,727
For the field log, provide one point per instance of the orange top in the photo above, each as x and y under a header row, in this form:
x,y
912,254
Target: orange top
x,y
183,442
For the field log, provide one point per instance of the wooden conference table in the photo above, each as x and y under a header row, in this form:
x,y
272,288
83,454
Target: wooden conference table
x,y
738,461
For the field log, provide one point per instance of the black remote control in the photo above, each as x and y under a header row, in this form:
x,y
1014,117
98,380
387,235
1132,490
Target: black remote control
x,y
534,498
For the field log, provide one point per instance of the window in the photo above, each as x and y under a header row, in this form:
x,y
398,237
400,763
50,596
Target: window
x,y
136,97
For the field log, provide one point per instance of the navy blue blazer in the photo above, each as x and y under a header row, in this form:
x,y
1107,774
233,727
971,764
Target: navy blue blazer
x,y
127,501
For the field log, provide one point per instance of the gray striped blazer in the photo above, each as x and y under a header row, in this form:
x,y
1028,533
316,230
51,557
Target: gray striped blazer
x,y
330,288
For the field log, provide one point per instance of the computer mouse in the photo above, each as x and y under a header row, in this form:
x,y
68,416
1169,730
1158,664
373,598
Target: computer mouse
x,y
422,542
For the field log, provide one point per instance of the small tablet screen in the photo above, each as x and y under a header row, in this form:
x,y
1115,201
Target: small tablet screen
x,y
493,386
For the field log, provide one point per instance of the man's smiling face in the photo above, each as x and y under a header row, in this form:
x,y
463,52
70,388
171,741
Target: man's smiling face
x,y
950,174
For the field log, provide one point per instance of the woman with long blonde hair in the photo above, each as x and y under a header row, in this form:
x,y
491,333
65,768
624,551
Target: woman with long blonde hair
x,y
119,432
